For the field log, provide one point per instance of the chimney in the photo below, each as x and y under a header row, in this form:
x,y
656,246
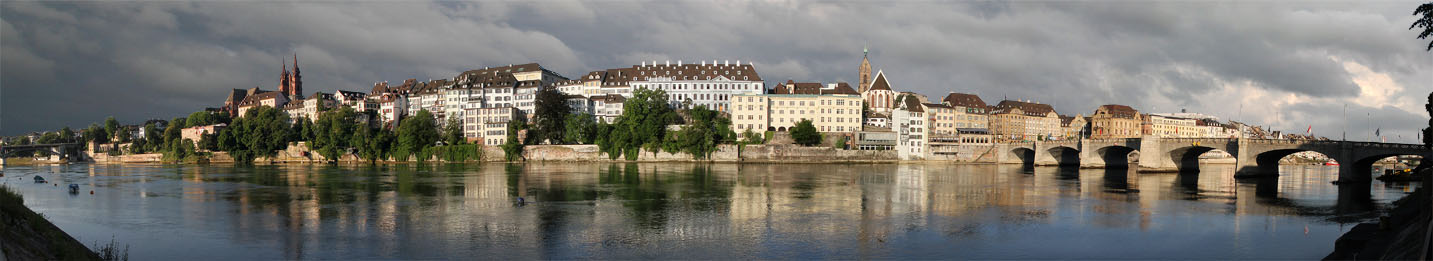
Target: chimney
x,y
667,63
679,62
704,62
726,62
644,63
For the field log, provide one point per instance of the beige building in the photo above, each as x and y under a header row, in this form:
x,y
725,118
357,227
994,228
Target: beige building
x,y
1075,126
970,110
941,118
831,108
1025,121
489,125
1113,121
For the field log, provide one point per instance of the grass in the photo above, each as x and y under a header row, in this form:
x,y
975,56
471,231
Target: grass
x,y
31,231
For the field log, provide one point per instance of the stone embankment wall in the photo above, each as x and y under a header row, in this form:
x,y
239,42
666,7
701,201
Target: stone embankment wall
x,y
774,153
129,158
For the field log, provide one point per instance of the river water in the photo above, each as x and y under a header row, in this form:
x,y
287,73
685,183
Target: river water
x,y
698,211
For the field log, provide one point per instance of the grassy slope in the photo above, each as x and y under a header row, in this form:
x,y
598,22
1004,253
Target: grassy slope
x,y
26,235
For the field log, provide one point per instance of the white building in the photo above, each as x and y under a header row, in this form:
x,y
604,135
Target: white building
x,y
909,122
689,85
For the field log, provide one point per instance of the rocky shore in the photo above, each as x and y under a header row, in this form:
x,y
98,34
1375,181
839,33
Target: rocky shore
x,y
1401,235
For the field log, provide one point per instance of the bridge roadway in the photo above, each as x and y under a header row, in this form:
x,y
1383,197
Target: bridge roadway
x,y
55,148
1253,157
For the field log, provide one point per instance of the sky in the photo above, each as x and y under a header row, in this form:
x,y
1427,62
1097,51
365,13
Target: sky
x,y
1287,65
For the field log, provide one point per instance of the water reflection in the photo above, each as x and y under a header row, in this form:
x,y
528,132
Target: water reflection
x,y
621,211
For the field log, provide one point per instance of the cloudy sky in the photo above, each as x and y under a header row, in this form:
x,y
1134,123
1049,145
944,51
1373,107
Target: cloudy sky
x,y
1283,64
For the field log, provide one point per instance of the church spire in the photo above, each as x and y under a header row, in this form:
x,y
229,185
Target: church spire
x,y
865,70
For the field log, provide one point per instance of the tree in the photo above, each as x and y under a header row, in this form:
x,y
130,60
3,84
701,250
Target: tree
x,y
333,132
453,132
512,149
417,132
702,135
199,118
805,133
549,115
260,133
123,135
97,134
751,137
67,135
152,137
580,129
172,133
111,126
1425,21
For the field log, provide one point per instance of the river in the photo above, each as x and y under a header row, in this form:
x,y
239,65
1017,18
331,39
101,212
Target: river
x,y
697,211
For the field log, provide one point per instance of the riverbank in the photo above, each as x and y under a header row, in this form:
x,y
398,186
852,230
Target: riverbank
x,y
26,235
1401,235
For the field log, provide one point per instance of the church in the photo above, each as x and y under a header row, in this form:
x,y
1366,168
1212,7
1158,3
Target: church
x,y
875,91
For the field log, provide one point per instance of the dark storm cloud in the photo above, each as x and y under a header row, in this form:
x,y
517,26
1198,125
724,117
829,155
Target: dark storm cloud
x,y
74,63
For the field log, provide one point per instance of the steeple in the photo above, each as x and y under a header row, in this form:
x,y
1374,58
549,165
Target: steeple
x,y
296,83
865,70
284,79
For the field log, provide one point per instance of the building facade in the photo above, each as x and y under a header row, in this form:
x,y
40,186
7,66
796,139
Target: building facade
x,y
1025,121
1113,121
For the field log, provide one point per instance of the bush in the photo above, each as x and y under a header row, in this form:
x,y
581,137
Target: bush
x,y
805,133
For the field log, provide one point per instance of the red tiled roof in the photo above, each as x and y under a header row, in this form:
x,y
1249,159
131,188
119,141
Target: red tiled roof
x,y
964,100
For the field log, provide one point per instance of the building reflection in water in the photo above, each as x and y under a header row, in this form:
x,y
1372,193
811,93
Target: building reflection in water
x,y
589,210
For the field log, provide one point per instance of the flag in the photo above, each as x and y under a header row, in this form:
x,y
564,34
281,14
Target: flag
x,y
1377,131
1310,131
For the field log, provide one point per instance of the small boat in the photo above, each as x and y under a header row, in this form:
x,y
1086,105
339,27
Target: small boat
x,y
74,188
39,179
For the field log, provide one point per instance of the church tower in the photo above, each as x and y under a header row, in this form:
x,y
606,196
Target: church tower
x,y
284,80
865,70
296,83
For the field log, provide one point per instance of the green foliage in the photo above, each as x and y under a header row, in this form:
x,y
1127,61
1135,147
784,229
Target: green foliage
x,y
180,151
302,130
841,142
707,129
172,133
153,139
549,114
805,134
67,135
458,153
111,125
333,133
123,135
512,149
581,129
97,134
417,132
453,132
751,137
1425,21
643,124
260,133
204,118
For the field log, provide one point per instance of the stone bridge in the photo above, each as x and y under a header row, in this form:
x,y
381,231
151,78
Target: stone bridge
x,y
62,149
1253,157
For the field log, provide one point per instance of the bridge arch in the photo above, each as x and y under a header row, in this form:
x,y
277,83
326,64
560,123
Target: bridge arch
x,y
1065,155
1116,156
1026,155
1364,165
1186,159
